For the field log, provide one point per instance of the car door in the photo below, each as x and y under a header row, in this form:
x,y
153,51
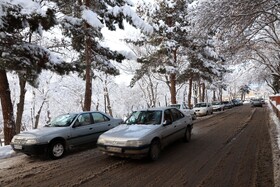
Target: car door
x,y
169,128
102,123
179,123
82,130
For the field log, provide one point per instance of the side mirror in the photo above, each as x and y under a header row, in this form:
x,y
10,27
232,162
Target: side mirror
x,y
166,122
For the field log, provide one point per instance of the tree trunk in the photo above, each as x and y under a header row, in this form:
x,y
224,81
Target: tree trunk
x,y
153,89
173,88
203,92
195,93
107,98
190,93
88,89
7,108
214,95
37,117
20,105
221,94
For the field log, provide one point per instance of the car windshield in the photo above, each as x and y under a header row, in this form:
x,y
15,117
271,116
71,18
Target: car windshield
x,y
198,105
216,103
62,120
145,117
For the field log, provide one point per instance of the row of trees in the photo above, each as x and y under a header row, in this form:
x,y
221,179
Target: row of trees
x,y
187,45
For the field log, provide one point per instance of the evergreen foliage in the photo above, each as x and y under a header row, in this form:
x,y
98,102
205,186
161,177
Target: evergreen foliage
x,y
17,50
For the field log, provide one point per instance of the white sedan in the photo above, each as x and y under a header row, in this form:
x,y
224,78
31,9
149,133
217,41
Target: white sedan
x,y
203,109
146,133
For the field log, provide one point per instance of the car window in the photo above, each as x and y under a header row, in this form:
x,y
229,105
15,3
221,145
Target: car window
x,y
99,118
84,119
176,114
175,105
167,115
198,105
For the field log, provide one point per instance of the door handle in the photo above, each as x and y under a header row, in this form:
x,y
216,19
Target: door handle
x,y
90,128
109,124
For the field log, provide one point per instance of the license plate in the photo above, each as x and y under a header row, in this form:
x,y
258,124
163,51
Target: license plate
x,y
114,149
18,146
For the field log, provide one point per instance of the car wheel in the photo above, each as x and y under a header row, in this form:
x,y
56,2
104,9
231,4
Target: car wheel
x,y
194,116
187,135
154,151
56,150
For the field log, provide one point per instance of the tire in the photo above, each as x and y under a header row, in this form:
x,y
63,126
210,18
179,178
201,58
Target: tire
x,y
194,116
155,150
187,135
56,150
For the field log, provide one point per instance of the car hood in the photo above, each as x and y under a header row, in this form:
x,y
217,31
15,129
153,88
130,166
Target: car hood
x,y
200,108
133,131
42,131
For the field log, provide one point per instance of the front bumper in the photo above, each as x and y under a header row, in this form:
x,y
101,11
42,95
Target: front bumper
x,y
130,152
36,149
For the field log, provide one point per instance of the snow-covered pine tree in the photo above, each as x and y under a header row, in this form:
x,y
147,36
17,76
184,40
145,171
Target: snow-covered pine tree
x,y
84,24
169,40
19,20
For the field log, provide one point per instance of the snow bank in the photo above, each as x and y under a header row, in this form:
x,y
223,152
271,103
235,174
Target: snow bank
x,y
6,152
276,120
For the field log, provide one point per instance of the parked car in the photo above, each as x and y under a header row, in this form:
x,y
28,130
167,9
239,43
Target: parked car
x,y
218,106
256,102
228,104
203,109
185,109
236,102
64,132
146,132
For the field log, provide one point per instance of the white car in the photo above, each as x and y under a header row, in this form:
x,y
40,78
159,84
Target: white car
x,y
185,109
203,109
146,133
218,106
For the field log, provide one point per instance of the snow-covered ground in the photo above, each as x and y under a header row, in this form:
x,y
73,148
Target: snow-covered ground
x,y
276,120
6,152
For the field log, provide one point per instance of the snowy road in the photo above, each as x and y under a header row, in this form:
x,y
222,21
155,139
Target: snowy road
x,y
231,148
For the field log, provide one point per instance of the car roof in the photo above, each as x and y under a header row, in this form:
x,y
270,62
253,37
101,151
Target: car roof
x,y
155,108
84,112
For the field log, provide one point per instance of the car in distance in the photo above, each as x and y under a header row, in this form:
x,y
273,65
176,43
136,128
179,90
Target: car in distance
x,y
228,104
203,109
63,133
185,109
256,102
146,132
218,106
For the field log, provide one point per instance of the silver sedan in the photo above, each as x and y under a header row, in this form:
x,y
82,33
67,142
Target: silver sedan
x,y
146,133
64,132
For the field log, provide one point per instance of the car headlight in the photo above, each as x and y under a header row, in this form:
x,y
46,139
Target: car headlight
x,y
134,143
13,139
101,140
31,141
